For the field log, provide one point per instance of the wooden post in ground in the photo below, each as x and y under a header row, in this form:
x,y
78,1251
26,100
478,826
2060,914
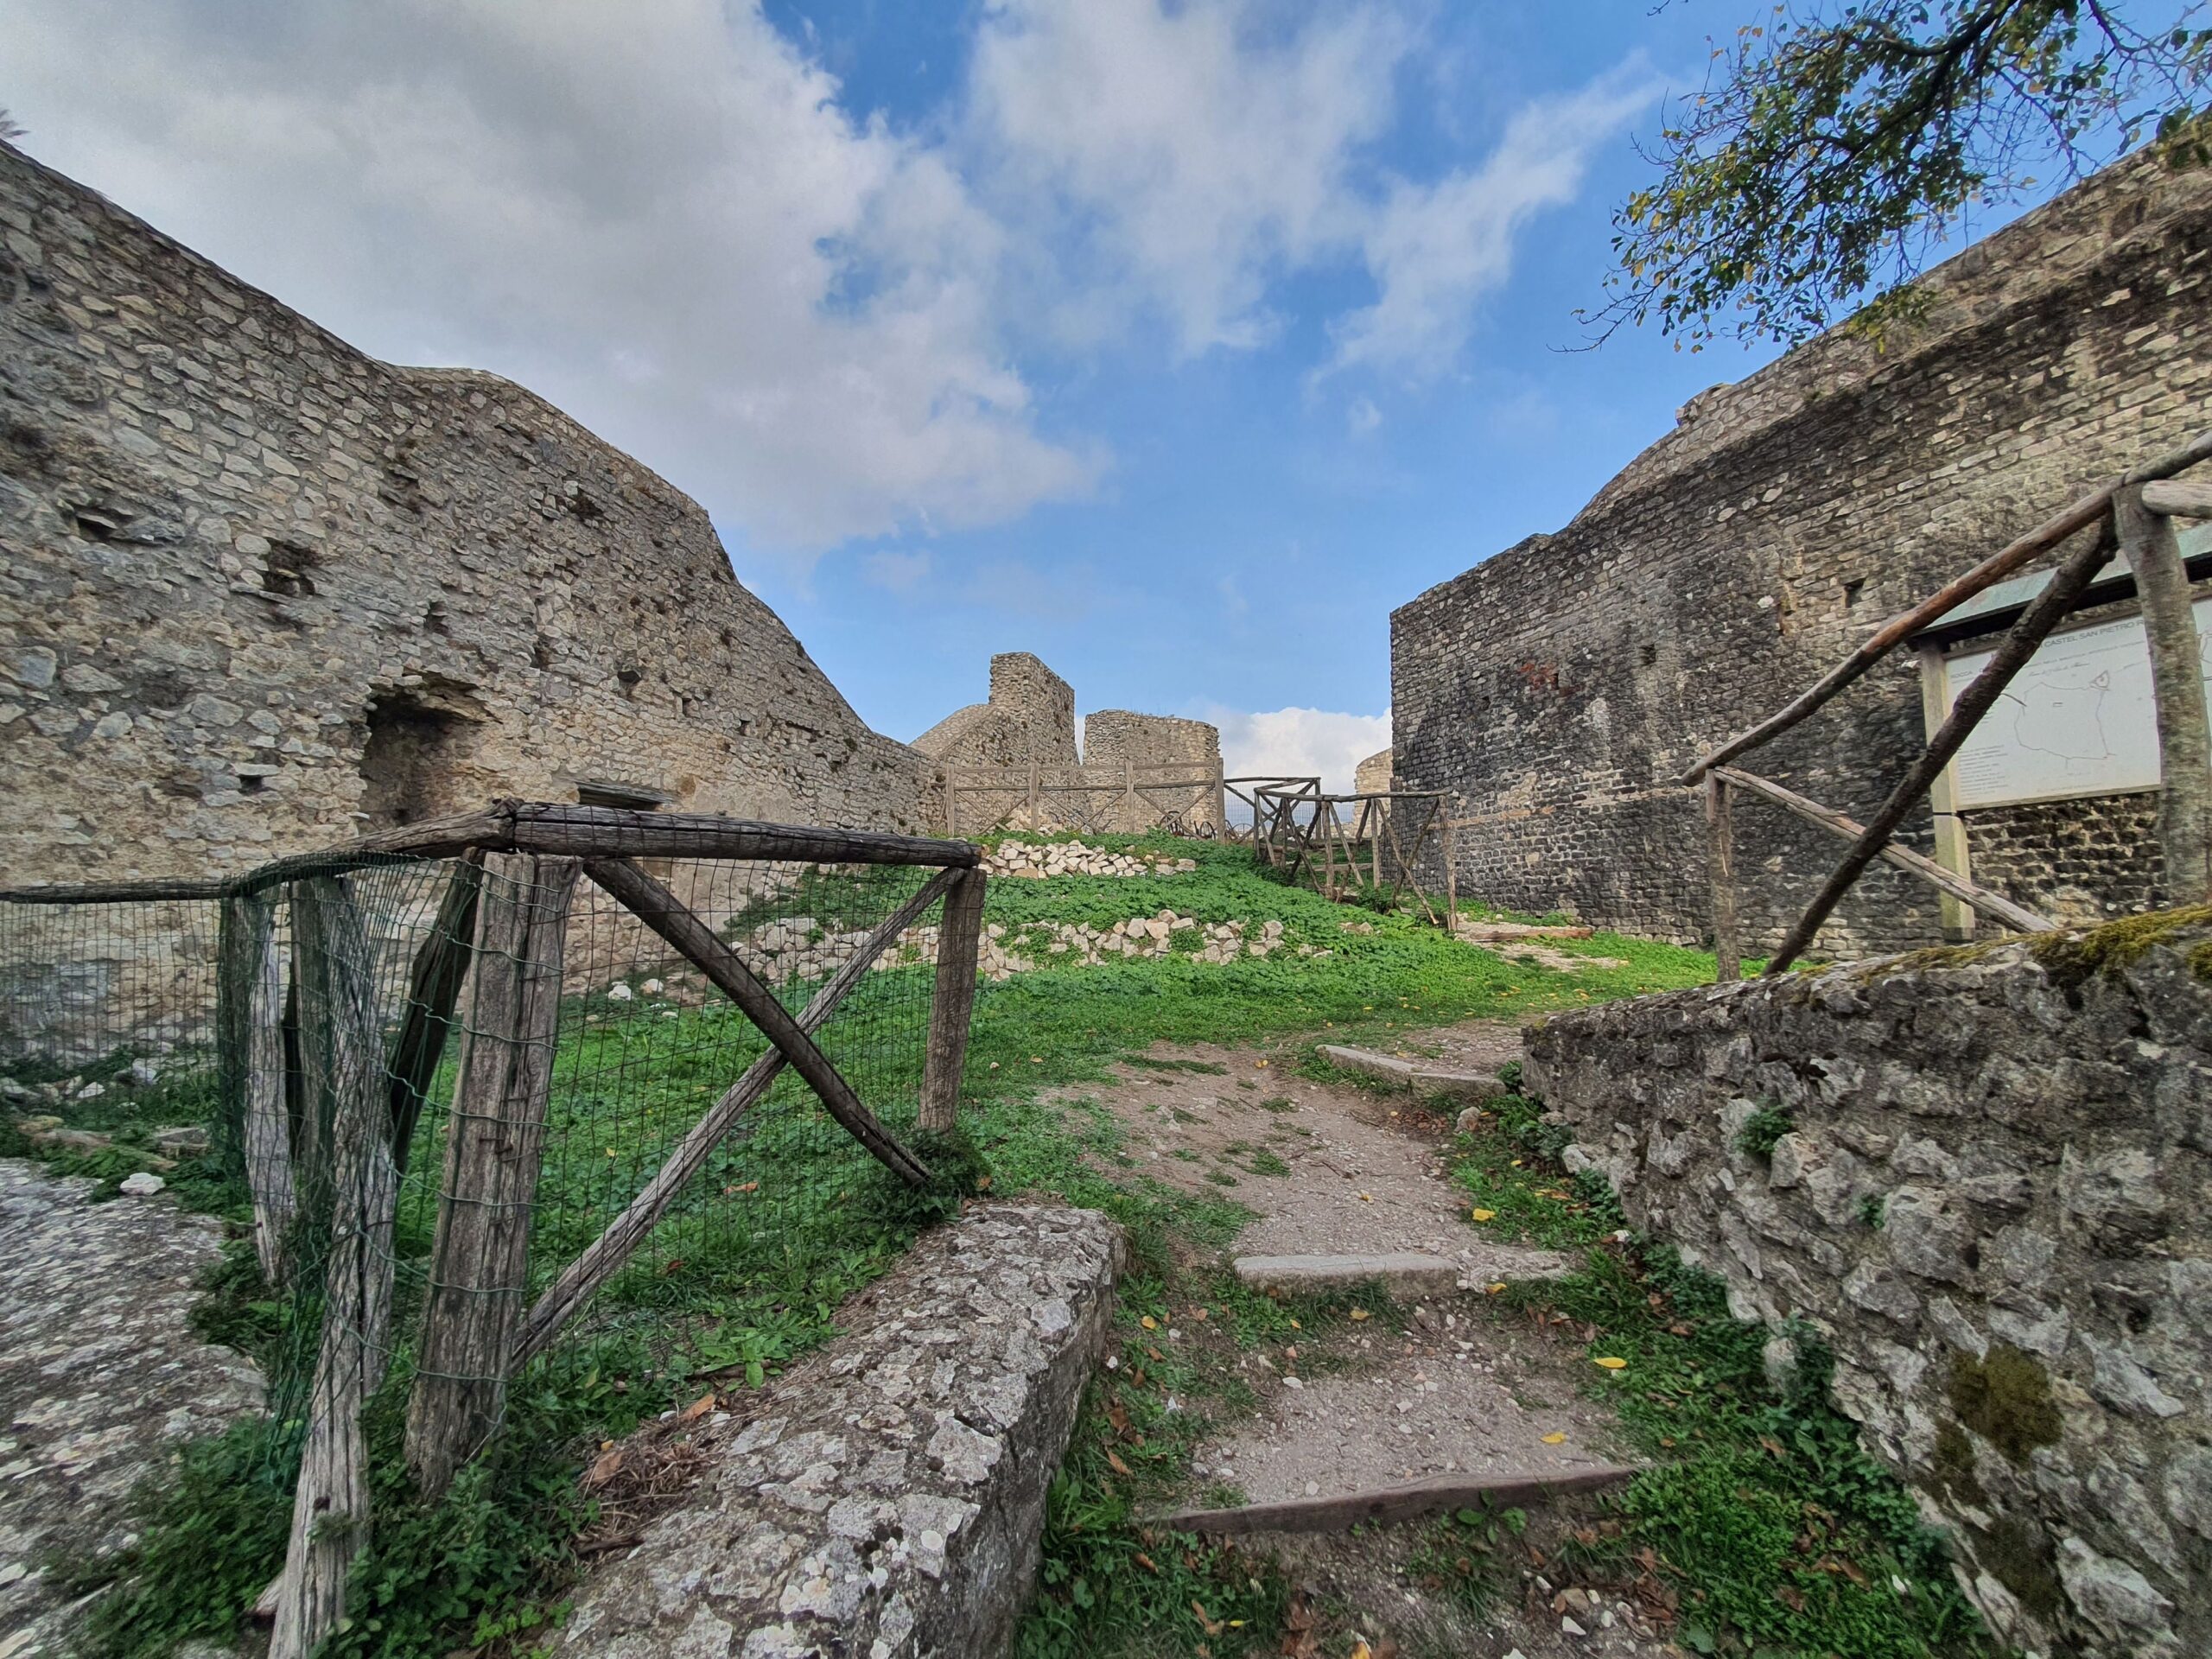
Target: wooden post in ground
x,y
341,1053
433,987
1220,800
2178,689
1448,837
494,1147
959,944
1727,941
1943,800
1033,783
250,995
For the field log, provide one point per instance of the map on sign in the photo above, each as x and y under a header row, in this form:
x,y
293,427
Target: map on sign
x,y
2078,720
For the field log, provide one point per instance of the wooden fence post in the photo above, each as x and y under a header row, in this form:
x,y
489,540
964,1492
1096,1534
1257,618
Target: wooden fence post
x,y
433,986
495,1144
1220,799
1957,917
249,1042
959,943
1727,941
342,1061
2177,692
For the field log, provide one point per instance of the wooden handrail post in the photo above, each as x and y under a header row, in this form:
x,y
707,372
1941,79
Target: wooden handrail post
x,y
1957,917
1727,939
495,1144
2177,693
959,948
250,997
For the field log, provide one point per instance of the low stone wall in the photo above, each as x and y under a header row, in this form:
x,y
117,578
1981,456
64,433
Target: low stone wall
x,y
1981,1176
887,1498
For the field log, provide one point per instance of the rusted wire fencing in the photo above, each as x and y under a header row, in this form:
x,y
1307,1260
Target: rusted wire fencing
x,y
546,1087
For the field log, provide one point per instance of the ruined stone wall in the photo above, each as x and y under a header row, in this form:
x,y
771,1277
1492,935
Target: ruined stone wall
x,y
263,592
1558,689
1030,716
1372,775
1980,1176
1162,747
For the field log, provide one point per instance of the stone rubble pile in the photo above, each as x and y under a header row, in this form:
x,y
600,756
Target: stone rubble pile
x,y
1035,863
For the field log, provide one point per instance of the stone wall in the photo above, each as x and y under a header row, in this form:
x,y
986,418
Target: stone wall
x,y
1558,689
1030,718
1981,1176
887,1498
263,592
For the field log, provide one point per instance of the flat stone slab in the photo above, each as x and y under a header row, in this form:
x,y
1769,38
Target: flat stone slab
x,y
886,1498
1406,1276
1409,1500
101,1374
1426,1075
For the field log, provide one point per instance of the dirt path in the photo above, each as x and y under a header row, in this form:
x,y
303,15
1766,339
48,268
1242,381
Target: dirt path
x,y
1328,1168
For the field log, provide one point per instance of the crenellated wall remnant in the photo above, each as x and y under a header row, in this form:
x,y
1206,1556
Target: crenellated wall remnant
x,y
1983,1176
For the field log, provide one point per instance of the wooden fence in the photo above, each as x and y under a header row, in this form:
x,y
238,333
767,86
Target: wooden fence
x,y
1117,797
1355,847
322,1092
2133,513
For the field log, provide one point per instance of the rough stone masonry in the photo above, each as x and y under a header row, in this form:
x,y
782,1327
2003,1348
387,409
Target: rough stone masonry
x,y
1559,689
1983,1176
886,1499
263,592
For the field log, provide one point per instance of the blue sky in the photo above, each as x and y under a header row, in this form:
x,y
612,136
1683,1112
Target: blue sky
x,y
1175,344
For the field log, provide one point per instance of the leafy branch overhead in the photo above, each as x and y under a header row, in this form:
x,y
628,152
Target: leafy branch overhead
x,y
1830,154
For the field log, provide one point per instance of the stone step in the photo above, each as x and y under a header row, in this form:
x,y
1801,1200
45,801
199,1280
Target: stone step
x,y
1408,1501
1425,1077
1408,1276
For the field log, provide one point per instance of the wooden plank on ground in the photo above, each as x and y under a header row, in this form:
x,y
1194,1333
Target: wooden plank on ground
x,y
1382,1505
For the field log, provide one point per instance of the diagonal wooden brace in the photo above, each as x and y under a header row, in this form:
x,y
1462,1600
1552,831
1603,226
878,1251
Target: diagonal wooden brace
x,y
661,911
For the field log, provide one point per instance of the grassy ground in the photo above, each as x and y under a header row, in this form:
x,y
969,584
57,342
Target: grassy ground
x,y
747,1277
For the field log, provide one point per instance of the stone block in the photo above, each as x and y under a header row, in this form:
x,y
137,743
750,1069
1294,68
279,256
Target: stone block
x,y
1406,1276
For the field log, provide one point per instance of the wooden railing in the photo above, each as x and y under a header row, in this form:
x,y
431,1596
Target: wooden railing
x,y
1354,846
2133,513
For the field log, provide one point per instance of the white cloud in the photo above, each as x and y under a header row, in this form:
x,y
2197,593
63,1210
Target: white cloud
x,y
1436,249
1299,743
1198,150
658,216
1362,417
899,573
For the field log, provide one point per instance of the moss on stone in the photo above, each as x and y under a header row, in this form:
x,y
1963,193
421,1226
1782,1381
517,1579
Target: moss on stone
x,y
1955,1475
2006,1399
1931,958
2073,958
2019,1556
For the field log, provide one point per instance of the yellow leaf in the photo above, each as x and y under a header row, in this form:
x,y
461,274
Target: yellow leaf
x,y
1149,1323
1366,1197
1359,1313
1554,1439
1613,1365
1483,1215
1113,1462
1361,1650
1496,1288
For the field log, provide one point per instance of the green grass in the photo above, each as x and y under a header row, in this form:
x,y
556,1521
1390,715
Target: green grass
x,y
787,1222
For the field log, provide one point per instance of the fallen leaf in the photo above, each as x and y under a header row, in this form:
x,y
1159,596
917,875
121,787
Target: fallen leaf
x,y
1612,1364
984,1183
603,1471
1359,1313
1145,1561
1554,1439
1113,1462
1211,1627
1262,1064
1149,1323
1198,1312
1366,1197
1117,1414
1498,1287
1155,1353
1483,1215
698,1408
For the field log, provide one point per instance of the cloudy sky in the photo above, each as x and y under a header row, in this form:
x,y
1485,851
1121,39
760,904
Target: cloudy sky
x,y
1175,341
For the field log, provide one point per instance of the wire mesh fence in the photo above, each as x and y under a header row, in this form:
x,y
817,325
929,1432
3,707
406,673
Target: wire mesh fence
x,y
488,1118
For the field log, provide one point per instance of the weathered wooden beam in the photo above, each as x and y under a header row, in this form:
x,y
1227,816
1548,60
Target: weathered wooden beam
x,y
2178,695
2007,562
603,1258
250,996
2050,608
661,911
433,986
495,1143
959,946
1720,831
2180,498
340,1043
1382,1505
1995,906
